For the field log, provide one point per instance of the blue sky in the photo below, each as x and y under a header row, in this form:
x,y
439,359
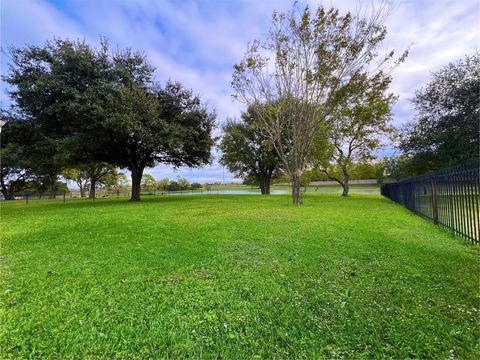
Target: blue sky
x,y
198,42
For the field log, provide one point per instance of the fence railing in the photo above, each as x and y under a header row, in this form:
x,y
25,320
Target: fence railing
x,y
447,197
71,195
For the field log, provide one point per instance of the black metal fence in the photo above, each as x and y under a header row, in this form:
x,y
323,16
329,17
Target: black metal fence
x,y
448,197
28,198
59,196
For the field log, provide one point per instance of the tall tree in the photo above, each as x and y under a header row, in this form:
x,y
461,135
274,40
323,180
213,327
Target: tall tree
x,y
357,131
446,127
96,173
307,68
60,90
115,181
79,177
163,184
248,152
183,183
14,170
149,183
152,126
27,153
92,106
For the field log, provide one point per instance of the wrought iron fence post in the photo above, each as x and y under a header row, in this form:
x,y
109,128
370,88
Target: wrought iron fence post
x,y
455,197
434,200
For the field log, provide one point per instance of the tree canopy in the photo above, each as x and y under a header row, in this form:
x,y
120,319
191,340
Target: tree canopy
x,y
310,65
445,131
94,106
356,131
248,151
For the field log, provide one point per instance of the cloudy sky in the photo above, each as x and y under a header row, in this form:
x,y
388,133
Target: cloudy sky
x,y
198,42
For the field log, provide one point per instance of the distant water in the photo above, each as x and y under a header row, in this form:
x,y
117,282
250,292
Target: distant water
x,y
229,192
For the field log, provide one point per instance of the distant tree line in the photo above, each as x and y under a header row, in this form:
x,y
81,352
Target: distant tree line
x,y
150,184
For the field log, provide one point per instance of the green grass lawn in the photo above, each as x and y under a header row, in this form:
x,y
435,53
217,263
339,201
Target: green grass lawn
x,y
234,277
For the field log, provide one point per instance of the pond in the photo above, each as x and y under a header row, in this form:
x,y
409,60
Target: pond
x,y
229,192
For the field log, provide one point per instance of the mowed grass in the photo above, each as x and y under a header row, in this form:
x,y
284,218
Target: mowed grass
x,y
234,277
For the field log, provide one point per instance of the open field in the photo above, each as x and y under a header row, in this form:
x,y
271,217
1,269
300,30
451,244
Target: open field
x,y
234,277
228,189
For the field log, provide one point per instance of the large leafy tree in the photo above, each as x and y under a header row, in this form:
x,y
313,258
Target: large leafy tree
x,y
356,132
152,126
248,151
60,91
93,106
308,67
28,154
90,176
79,177
115,181
149,183
15,173
445,131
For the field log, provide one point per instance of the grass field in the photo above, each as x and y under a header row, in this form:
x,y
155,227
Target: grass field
x,y
234,277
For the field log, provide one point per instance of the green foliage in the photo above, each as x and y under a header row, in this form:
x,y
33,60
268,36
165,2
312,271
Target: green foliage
x,y
234,277
347,145
104,106
315,67
163,184
403,166
445,130
115,181
149,183
249,152
196,186
15,171
62,89
173,186
183,183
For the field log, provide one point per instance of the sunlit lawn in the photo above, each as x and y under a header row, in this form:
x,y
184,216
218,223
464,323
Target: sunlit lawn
x,y
234,277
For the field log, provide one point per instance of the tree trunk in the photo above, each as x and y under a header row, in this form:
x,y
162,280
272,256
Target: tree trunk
x,y
83,187
137,174
345,186
53,186
93,186
7,195
296,193
264,181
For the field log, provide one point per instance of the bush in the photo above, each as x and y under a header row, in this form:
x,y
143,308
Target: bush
x,y
195,186
173,186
